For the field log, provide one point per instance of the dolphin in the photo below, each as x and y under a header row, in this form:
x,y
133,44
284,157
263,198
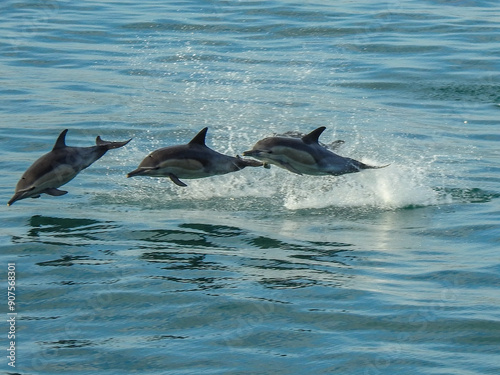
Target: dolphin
x,y
190,161
295,134
58,167
304,155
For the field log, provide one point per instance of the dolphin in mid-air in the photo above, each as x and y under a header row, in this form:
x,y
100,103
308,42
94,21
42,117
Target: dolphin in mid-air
x,y
304,155
190,161
58,167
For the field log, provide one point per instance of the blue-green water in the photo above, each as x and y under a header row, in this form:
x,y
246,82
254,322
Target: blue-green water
x,y
262,271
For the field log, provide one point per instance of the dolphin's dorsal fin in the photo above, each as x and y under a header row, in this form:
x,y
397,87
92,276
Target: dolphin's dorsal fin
x,y
313,137
199,139
61,140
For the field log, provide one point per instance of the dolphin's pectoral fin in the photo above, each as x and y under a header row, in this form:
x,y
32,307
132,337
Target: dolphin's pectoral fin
x,y
35,196
55,192
289,167
176,180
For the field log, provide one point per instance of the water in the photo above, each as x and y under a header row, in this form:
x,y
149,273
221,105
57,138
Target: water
x,y
261,271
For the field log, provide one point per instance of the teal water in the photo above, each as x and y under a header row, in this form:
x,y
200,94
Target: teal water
x,y
258,272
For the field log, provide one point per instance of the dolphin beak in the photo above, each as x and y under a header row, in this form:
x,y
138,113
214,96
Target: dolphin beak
x,y
250,153
21,194
136,172
140,171
16,197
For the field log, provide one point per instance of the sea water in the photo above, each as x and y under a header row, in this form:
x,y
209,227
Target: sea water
x,y
260,271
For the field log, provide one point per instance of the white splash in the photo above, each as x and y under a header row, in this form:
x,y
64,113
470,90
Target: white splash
x,y
396,186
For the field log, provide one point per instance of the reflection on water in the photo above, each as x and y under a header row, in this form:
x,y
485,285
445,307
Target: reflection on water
x,y
63,231
68,261
56,224
233,253
278,249
194,252
215,279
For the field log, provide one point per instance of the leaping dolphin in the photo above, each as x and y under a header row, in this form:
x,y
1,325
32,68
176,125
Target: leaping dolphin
x,y
58,167
190,161
304,155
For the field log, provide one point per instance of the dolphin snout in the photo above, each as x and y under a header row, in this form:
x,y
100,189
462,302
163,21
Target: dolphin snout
x,y
254,153
15,198
21,194
141,171
136,172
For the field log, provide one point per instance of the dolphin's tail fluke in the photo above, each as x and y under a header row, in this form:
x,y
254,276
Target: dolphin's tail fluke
x,y
353,166
242,163
110,145
359,165
374,166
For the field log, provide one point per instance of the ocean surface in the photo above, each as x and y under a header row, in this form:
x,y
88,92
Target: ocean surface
x,y
389,271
